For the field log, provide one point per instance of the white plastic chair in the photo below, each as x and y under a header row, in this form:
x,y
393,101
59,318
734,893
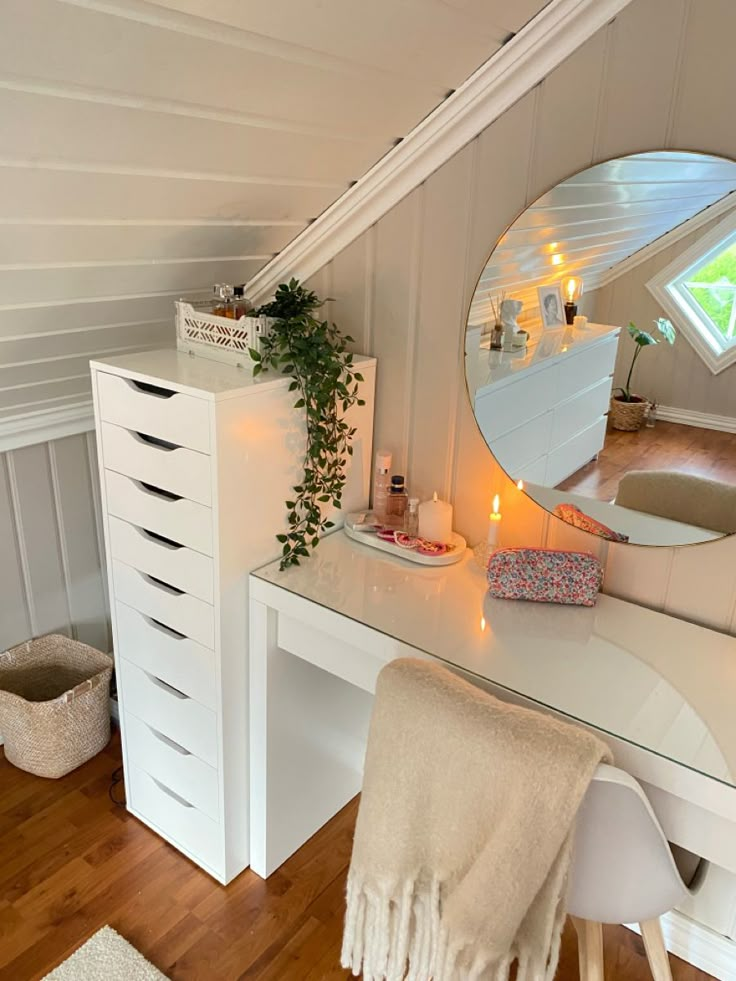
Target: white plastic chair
x,y
624,871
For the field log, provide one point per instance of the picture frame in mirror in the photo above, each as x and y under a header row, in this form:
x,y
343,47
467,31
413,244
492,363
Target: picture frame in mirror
x,y
551,306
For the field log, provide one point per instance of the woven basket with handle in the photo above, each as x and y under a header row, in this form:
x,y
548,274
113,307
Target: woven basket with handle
x,y
54,704
628,416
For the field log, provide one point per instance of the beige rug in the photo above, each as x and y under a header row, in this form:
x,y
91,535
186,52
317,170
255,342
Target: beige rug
x,y
106,957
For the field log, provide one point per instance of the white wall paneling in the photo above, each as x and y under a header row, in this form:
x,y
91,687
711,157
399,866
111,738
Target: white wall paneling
x,y
153,149
418,324
51,575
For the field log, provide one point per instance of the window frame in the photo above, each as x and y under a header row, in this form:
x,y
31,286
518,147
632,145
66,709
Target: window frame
x,y
684,311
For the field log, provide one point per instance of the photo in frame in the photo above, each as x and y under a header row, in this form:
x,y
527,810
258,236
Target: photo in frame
x,y
551,306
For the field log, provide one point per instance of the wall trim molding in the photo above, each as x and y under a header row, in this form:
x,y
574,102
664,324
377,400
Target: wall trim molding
x,y
29,428
702,420
674,235
551,37
698,945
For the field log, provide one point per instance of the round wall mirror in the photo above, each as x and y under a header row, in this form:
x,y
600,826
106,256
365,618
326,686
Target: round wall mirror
x,y
600,351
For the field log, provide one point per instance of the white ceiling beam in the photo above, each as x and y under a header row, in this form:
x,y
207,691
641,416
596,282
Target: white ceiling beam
x,y
554,34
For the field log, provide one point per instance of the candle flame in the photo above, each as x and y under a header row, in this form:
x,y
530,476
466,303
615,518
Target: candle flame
x,y
496,504
520,485
482,623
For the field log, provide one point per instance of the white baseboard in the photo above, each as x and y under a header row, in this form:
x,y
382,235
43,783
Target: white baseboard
x,y
701,420
697,945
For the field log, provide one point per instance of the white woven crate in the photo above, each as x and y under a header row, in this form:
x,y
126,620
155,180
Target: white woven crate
x,y
219,338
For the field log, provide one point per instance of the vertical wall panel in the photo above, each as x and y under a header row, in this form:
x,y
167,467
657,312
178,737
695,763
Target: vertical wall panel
x,y
567,116
37,527
623,130
394,291
15,621
78,539
440,305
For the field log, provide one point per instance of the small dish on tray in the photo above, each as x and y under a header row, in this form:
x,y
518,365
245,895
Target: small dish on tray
x,y
361,528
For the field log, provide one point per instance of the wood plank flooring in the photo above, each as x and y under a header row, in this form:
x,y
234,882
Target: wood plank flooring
x,y
72,861
667,446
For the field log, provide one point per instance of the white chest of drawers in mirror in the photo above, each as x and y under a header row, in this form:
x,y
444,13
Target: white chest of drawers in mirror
x,y
196,460
544,412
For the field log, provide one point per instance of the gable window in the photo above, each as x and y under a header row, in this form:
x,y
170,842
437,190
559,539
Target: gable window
x,y
698,291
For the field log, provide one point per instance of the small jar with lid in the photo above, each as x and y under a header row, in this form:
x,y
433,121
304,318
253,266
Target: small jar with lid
x,y
224,305
396,502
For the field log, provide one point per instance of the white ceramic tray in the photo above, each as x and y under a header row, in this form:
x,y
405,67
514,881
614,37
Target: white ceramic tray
x,y
369,538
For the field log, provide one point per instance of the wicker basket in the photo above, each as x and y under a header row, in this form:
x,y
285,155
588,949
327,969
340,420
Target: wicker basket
x,y
628,416
54,704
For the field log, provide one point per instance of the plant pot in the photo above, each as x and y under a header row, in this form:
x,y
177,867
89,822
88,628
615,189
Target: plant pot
x,y
628,416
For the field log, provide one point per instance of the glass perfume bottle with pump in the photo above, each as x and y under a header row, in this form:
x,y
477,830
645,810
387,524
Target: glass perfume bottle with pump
x,y
396,502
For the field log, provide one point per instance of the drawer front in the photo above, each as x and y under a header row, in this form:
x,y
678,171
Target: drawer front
x,y
582,370
175,518
516,403
574,454
163,558
176,767
580,412
523,445
172,468
177,818
174,714
171,656
534,472
148,408
184,613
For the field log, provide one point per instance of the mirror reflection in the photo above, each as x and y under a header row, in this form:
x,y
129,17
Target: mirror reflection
x,y
600,350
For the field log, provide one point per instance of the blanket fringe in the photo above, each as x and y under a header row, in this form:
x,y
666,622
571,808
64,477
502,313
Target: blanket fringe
x,y
401,938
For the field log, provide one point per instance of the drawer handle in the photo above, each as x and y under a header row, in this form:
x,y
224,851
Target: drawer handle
x,y
160,584
168,742
160,444
159,539
157,625
176,797
149,389
158,491
169,689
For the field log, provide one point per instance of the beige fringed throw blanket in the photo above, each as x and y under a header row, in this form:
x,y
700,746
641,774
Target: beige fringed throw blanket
x,y
463,840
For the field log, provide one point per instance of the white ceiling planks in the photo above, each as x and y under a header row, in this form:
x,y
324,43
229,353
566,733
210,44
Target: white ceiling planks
x,y
597,219
151,149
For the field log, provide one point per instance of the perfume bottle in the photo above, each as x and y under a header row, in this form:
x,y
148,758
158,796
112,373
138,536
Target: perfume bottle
x,y
396,502
240,302
224,301
411,518
381,482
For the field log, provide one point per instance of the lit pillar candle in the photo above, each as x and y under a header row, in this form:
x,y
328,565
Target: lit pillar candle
x,y
493,523
435,521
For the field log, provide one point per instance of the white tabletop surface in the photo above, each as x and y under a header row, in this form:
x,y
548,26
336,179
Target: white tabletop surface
x,y
652,680
198,376
487,369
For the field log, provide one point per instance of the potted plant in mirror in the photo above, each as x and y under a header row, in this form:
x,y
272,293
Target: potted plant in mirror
x,y
628,410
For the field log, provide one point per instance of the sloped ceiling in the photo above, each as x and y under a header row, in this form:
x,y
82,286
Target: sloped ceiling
x,y
592,222
152,149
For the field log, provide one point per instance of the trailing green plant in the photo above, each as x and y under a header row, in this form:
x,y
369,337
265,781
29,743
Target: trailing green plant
x,y
642,339
314,354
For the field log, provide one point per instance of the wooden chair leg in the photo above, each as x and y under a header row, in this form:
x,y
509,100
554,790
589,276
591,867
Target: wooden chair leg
x,y
659,962
590,949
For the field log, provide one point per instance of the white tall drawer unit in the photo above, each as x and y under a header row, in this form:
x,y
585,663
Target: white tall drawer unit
x,y
545,417
196,461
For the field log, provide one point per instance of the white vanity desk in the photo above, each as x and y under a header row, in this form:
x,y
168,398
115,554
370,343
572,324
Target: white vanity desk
x,y
659,690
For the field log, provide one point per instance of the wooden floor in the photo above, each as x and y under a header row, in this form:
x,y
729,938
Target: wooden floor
x,y
668,446
72,861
